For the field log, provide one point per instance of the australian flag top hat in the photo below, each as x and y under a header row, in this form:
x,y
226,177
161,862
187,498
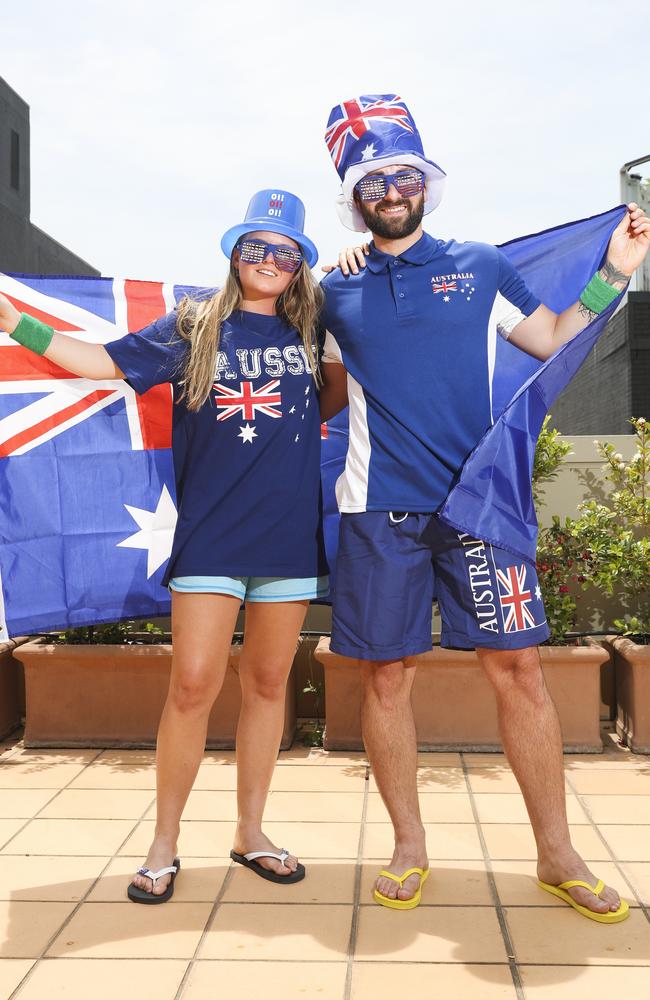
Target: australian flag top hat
x,y
371,131
274,211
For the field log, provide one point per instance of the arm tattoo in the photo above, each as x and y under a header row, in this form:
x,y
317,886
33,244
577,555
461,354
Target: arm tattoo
x,y
586,312
612,275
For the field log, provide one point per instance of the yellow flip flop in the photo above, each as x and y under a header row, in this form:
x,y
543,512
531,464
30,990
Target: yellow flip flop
x,y
402,904
612,917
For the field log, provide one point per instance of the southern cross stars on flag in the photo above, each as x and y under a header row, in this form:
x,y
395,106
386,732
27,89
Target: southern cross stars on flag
x,y
356,117
246,401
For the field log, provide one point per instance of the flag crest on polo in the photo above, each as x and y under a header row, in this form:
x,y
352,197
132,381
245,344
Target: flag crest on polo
x,y
86,474
371,131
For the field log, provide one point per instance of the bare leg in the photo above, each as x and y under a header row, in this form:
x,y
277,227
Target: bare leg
x,y
272,632
530,732
202,632
389,735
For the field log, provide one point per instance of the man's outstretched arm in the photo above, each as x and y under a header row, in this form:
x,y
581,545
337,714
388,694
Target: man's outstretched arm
x,y
543,332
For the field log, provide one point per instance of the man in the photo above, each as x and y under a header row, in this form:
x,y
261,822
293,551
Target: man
x,y
411,344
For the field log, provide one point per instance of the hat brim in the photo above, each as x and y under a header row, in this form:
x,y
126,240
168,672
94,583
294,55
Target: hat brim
x,y
347,210
231,236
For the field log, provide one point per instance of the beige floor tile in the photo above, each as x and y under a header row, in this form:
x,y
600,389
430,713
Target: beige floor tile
x,y
444,758
434,807
372,981
493,779
517,883
96,803
316,840
219,806
458,883
115,776
619,808
22,803
216,778
103,979
123,930
561,982
9,827
252,980
429,934
547,936
623,760
621,781
200,880
197,839
12,971
629,843
38,775
498,807
444,840
515,841
434,779
317,807
639,876
70,836
327,881
48,878
485,760
313,755
38,757
134,759
26,927
253,931
333,778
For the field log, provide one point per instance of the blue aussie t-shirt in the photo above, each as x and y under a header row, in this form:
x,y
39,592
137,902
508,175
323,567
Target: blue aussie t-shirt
x,y
247,463
417,335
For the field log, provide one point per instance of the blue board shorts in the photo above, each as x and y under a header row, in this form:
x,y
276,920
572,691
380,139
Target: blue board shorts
x,y
390,568
255,589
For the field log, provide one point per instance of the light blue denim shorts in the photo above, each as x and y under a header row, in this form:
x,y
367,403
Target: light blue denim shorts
x,y
254,588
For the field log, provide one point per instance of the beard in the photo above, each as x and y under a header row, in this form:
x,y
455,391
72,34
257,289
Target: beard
x,y
387,227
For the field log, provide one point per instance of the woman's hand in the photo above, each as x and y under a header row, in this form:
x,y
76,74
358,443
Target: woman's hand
x,y
9,315
350,259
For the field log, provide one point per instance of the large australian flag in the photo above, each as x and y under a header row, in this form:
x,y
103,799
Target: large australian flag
x,y
87,509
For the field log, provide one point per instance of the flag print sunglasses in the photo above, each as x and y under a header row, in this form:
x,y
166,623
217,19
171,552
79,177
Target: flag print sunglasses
x,y
286,258
374,187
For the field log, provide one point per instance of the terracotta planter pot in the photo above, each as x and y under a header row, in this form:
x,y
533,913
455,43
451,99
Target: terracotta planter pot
x,y
632,666
113,696
454,705
12,688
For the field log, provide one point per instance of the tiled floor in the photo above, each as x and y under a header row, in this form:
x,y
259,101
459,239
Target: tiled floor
x,y
75,824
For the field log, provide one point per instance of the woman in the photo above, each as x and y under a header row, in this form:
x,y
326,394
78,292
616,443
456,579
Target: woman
x,y
246,447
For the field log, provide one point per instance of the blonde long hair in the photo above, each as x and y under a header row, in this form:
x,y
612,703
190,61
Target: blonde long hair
x,y
200,323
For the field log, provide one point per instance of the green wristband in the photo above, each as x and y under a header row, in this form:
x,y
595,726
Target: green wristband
x,y
598,294
33,334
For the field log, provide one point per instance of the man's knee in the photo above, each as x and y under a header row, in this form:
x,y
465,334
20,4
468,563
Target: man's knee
x,y
387,681
514,670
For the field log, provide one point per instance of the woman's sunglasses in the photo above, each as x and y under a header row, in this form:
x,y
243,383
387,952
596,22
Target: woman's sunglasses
x,y
255,251
374,187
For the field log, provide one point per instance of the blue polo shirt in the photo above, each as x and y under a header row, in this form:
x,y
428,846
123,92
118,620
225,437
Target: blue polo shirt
x,y
417,335
247,462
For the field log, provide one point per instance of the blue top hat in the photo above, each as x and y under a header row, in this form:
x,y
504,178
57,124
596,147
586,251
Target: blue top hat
x,y
275,211
371,131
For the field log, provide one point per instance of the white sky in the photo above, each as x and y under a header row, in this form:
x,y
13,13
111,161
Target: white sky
x,y
153,123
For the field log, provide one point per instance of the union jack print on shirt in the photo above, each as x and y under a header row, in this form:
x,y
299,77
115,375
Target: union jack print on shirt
x,y
515,599
247,401
444,286
357,117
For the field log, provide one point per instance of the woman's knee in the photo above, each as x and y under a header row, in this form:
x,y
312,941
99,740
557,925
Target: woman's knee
x,y
194,688
266,682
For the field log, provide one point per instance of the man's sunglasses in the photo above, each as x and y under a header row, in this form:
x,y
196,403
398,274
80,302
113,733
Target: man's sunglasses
x,y
286,258
374,187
